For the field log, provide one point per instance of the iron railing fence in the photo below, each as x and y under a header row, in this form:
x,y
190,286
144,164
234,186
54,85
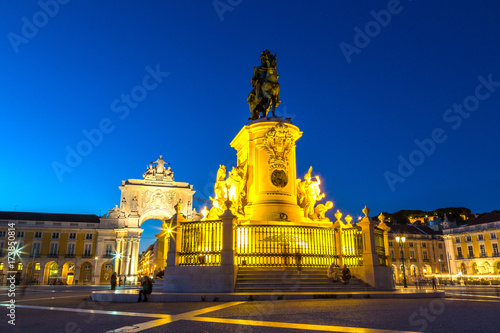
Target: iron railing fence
x,y
201,243
380,246
276,246
351,241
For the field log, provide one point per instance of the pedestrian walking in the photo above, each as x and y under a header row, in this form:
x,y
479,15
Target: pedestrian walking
x,y
298,261
433,282
113,281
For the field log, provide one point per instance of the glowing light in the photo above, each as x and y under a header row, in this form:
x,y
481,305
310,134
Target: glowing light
x,y
205,213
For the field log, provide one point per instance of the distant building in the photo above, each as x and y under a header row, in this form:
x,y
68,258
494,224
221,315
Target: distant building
x,y
424,252
473,249
61,248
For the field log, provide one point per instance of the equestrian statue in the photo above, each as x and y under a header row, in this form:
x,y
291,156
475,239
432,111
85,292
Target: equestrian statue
x,y
266,89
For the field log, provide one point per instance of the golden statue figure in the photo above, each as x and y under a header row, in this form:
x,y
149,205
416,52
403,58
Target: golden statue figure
x,y
308,192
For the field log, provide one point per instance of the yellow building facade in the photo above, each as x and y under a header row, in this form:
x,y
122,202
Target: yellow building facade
x,y
424,252
473,249
47,248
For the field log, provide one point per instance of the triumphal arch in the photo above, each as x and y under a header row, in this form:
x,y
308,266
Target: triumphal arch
x,y
156,196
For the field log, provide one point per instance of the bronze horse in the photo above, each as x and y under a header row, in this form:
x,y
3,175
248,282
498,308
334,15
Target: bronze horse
x,y
265,94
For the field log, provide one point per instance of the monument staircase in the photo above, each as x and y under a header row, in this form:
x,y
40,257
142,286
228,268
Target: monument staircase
x,y
312,279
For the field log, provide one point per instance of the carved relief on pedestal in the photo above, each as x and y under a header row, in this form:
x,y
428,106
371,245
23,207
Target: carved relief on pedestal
x,y
278,142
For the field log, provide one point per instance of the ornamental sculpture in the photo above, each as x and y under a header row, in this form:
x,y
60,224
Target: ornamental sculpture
x,y
265,92
159,172
278,142
232,188
308,193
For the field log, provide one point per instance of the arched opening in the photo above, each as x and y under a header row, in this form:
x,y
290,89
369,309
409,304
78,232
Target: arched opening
x,y
475,269
427,270
153,251
497,267
33,273
394,273
413,270
86,273
51,272
106,271
68,272
463,269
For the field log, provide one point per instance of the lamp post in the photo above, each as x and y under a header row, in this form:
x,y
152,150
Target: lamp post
x,y
95,268
449,269
401,242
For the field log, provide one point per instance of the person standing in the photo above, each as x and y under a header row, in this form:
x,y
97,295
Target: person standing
x,y
113,281
433,282
298,261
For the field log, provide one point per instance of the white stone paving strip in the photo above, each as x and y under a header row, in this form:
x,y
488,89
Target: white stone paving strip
x,y
38,299
105,312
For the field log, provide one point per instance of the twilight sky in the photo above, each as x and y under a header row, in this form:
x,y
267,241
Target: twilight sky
x,y
398,100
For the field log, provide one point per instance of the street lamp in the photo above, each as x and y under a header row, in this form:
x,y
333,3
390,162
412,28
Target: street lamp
x,y
95,268
401,242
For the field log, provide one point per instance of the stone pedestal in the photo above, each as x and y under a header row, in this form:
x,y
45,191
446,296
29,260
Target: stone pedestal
x,y
267,148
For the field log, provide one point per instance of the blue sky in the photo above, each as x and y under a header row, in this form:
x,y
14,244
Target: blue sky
x,y
362,99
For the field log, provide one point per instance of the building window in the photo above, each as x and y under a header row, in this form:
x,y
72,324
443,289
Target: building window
x,y
492,235
424,245
109,250
392,255
55,235
440,246
72,235
441,256
2,234
88,236
1,266
36,249
480,237
457,239
495,249
425,255
38,234
19,266
482,250
71,250
471,251
20,234
53,249
1,248
412,254
390,244
468,238
410,244
401,254
37,266
88,250
459,252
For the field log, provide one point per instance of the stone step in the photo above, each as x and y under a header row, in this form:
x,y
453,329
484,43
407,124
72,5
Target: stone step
x,y
311,279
